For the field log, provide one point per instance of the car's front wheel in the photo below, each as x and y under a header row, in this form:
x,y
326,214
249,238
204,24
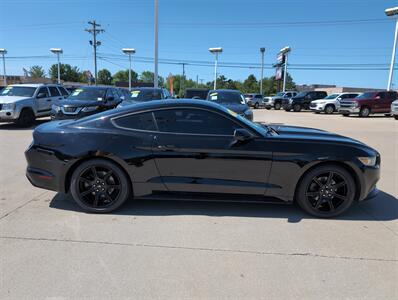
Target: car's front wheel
x,y
256,105
364,112
329,109
296,107
277,106
99,186
326,191
26,118
396,117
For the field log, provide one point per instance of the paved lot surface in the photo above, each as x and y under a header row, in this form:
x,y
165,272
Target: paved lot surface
x,y
153,250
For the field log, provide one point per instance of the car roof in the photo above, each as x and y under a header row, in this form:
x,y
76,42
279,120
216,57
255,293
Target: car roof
x,y
145,88
35,85
224,90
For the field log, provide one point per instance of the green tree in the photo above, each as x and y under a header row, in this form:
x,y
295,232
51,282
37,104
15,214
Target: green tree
x,y
36,72
147,77
104,77
250,85
68,73
123,76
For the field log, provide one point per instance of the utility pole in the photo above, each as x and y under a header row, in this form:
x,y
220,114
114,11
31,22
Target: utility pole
x,y
197,81
94,31
156,73
3,52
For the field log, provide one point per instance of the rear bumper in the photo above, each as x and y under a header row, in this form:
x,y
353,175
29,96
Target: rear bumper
x,y
44,169
348,110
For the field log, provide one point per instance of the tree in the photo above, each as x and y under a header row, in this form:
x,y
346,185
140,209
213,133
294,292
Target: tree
x,y
147,77
123,76
104,77
68,73
36,72
250,85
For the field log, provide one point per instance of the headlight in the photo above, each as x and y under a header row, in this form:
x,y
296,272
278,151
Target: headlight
x,y
89,108
55,108
8,106
368,161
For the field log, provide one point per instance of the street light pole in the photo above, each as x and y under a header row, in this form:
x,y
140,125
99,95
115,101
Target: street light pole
x,y
3,53
129,52
155,80
58,51
392,12
262,50
215,51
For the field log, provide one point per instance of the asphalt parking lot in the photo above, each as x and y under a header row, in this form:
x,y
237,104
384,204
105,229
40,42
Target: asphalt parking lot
x,y
176,250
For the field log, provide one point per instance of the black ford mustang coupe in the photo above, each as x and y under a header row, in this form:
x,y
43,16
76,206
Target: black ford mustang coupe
x,y
197,150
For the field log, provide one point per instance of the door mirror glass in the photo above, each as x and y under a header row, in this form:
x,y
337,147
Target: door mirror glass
x,y
241,135
41,95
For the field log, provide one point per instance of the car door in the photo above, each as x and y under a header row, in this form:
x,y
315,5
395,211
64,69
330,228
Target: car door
x,y
195,152
43,101
54,94
378,102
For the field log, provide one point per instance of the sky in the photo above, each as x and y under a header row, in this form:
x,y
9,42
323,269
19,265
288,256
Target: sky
x,y
324,35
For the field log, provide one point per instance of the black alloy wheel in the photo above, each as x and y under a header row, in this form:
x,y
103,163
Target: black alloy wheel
x,y
296,107
26,118
329,109
99,186
277,106
326,191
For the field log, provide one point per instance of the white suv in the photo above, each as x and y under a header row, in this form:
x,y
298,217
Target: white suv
x,y
331,103
23,103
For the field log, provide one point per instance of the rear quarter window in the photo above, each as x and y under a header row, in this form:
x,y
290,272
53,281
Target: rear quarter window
x,y
139,121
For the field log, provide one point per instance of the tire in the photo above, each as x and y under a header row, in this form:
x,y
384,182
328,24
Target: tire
x,y
277,106
396,117
26,118
267,108
100,191
256,105
364,112
387,115
329,109
346,115
296,107
316,193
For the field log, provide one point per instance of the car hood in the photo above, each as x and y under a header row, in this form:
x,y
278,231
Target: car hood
x,y
238,108
77,103
12,99
323,100
295,132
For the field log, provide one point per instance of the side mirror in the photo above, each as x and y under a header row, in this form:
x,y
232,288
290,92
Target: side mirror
x,y
377,97
41,95
242,135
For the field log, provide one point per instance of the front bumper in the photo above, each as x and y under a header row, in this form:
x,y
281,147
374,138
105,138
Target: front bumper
x,y
349,110
317,107
61,116
8,115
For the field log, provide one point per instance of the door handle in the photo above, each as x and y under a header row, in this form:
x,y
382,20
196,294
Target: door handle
x,y
165,147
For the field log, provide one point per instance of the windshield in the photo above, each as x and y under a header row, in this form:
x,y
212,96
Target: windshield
x,y
20,91
89,94
227,98
302,94
280,94
145,95
256,126
365,96
332,96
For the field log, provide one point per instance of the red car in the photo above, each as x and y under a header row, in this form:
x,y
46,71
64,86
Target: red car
x,y
368,103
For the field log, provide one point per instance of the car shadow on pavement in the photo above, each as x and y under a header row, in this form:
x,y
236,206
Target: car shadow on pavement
x,y
13,126
384,207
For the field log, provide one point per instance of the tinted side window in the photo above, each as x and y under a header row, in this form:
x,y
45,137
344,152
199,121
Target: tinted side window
x,y
141,121
63,91
258,96
44,91
54,91
194,121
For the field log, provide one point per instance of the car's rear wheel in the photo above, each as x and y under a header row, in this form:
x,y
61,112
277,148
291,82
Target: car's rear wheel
x,y
326,191
277,106
99,186
396,117
296,107
26,118
364,112
329,109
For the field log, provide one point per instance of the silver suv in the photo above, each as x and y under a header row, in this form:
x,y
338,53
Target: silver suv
x,y
394,109
23,103
276,101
